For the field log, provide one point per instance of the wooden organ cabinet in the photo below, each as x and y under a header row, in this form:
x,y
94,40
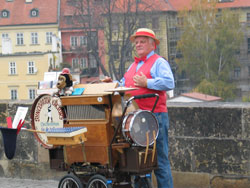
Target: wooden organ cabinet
x,y
92,111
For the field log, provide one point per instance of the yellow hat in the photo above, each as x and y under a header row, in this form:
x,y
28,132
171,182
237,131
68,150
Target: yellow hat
x,y
144,32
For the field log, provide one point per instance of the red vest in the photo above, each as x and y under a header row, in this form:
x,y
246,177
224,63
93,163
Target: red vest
x,y
146,103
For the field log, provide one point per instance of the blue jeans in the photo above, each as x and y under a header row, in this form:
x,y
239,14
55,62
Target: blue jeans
x,y
163,173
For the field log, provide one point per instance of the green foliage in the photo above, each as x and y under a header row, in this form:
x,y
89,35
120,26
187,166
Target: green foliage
x,y
217,88
209,42
246,99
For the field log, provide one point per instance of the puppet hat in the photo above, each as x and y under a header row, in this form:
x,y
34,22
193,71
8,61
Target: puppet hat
x,y
65,71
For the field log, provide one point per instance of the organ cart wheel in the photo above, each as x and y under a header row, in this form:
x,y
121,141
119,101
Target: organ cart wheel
x,y
143,182
70,181
98,181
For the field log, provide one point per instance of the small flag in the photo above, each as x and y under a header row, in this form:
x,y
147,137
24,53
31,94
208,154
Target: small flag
x,y
9,122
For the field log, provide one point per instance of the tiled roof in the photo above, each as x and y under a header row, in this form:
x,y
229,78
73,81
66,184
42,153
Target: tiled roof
x,y
67,11
20,12
145,5
120,6
186,4
180,4
201,96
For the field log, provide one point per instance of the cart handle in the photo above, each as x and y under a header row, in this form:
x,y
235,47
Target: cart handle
x,y
144,96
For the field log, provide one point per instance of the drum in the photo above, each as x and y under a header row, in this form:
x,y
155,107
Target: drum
x,y
137,125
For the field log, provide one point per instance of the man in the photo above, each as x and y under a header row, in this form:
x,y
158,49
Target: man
x,y
152,74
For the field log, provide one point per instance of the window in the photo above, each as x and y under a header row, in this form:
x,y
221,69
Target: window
x,y
180,21
34,13
75,63
92,61
172,33
5,14
248,17
83,40
69,20
13,94
142,23
155,23
12,68
115,49
236,72
49,37
183,75
83,63
19,38
31,67
5,35
172,48
32,93
34,38
73,41
237,51
115,26
248,45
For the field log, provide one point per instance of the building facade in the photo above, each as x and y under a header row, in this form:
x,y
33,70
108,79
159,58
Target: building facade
x,y
81,42
29,45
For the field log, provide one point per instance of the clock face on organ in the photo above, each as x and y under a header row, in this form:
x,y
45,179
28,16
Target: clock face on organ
x,y
46,113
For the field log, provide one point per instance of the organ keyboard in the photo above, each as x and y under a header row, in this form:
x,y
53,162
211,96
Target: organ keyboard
x,y
66,136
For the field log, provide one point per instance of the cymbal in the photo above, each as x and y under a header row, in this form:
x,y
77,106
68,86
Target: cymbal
x,y
121,89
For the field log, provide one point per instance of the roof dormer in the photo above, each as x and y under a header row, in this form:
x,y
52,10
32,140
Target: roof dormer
x,y
34,12
5,14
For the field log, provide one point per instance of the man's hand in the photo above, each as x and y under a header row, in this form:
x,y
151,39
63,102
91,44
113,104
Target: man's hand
x,y
140,80
107,79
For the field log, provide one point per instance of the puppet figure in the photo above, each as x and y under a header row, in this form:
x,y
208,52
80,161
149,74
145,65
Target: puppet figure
x,y
65,83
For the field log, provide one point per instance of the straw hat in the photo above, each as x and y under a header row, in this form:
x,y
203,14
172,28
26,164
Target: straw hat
x,y
144,32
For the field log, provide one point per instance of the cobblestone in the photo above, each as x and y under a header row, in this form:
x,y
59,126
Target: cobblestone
x,y
27,183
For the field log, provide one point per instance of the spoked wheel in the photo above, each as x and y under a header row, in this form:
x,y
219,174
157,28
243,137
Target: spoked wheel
x,y
98,181
70,181
143,182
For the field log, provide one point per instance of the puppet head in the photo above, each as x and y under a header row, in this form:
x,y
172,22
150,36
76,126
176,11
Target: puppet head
x,y
65,82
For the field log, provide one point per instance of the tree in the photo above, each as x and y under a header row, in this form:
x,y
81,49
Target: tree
x,y
121,21
210,40
118,19
86,16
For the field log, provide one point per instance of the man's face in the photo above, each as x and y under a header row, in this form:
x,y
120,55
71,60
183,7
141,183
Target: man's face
x,y
143,46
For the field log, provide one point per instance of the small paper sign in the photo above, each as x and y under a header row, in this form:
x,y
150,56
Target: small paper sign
x,y
20,115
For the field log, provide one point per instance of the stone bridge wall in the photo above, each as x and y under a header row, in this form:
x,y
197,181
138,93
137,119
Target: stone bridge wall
x,y
209,146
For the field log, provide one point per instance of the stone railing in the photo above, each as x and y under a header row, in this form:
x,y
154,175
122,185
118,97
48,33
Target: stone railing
x,y
209,146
